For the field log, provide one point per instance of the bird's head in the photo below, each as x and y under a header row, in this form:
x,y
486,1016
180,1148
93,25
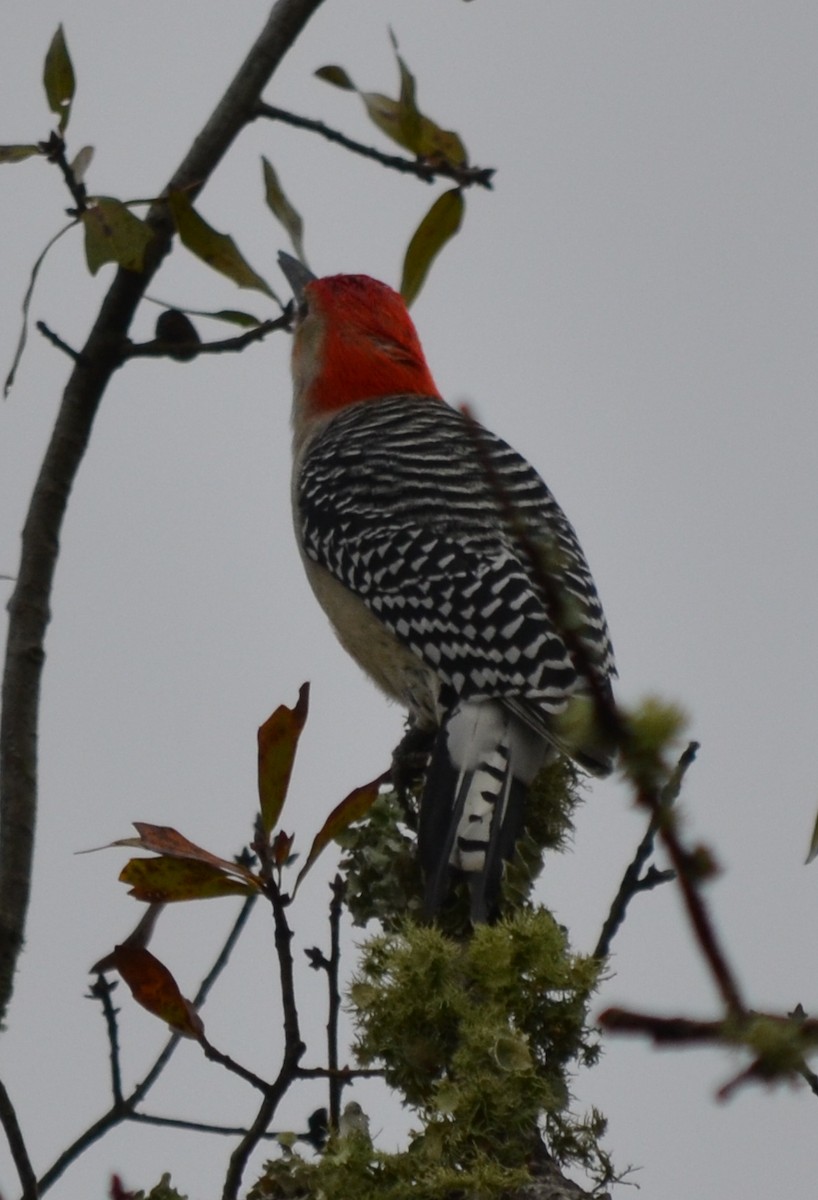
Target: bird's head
x,y
353,341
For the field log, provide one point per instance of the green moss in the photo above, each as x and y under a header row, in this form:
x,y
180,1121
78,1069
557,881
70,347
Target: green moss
x,y
478,1035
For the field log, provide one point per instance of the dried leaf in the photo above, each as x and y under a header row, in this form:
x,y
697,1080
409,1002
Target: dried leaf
x,y
81,162
281,208
356,805
167,841
164,879
153,986
216,249
277,744
58,78
114,234
13,154
282,848
440,224
21,341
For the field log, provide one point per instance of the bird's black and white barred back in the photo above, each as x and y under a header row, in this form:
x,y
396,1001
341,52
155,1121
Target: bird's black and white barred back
x,y
416,514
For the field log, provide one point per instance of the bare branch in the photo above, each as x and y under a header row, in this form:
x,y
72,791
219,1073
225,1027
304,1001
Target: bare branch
x,y
159,348
633,881
101,990
336,1085
54,150
57,341
123,1109
29,610
293,1048
14,1136
421,168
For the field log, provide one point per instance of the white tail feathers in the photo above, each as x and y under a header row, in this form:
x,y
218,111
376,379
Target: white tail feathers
x,y
484,760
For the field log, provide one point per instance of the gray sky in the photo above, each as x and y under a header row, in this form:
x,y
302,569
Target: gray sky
x,y
634,308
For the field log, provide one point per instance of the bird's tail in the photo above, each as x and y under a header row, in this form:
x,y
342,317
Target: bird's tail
x,y
473,802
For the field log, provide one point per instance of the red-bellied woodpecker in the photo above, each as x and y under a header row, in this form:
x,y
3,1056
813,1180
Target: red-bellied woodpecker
x,y
420,533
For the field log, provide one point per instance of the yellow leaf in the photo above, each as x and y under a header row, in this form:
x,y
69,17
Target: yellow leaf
x,y
161,880
440,224
114,234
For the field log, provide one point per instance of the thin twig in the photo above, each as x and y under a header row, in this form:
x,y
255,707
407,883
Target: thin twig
x,y
54,150
336,1084
293,1047
227,949
17,1145
633,881
57,341
196,1126
424,169
101,990
124,1110
230,1064
345,1074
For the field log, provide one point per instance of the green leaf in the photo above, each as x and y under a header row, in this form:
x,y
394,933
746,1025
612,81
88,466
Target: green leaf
x,y
233,316
281,208
401,120
58,78
440,224
13,154
277,744
355,806
218,250
337,76
114,234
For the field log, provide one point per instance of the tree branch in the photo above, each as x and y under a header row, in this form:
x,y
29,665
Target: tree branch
x,y
421,168
293,1049
123,1109
14,1136
29,607
633,881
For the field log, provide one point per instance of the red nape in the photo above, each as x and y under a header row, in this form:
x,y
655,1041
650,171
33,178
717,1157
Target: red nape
x,y
370,347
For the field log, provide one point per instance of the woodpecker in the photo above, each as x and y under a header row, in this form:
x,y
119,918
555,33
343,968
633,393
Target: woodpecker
x,y
416,528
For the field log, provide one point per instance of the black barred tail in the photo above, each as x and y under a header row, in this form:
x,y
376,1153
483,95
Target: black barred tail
x,y
473,803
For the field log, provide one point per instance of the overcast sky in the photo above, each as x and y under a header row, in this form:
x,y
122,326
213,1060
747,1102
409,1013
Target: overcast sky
x,y
633,307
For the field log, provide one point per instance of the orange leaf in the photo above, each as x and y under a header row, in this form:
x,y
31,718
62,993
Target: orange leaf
x,y
155,989
164,879
277,744
282,848
356,805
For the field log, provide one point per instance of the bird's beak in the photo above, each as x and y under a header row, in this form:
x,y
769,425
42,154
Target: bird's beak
x,y
298,276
